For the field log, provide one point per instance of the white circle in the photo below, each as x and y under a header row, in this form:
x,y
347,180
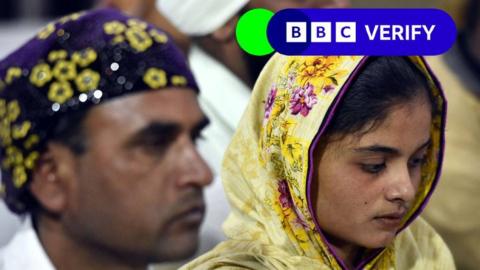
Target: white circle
x,y
97,94
55,107
114,66
83,97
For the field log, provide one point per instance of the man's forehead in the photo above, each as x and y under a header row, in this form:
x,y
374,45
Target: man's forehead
x,y
171,105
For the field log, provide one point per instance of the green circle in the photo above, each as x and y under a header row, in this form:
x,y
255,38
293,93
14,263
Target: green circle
x,y
251,32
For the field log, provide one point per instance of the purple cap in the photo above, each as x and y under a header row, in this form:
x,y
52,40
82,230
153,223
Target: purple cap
x,y
76,62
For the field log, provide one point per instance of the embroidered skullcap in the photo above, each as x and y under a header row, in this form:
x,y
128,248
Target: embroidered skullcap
x,y
76,62
199,17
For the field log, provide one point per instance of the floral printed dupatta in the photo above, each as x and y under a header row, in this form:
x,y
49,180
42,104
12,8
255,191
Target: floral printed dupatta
x,y
267,171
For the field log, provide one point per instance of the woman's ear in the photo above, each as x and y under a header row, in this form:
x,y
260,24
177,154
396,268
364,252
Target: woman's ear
x,y
52,178
227,32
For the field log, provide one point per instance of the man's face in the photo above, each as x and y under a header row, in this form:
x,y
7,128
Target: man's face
x,y
137,190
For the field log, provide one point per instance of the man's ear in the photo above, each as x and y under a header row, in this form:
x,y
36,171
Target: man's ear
x,y
227,32
53,178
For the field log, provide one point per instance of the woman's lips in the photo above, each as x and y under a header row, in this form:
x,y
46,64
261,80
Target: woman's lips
x,y
390,221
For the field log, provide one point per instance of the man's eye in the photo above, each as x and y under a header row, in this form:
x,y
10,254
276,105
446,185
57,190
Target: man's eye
x,y
373,168
198,136
157,144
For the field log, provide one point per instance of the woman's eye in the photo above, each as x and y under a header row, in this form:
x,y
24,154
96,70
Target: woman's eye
x,y
373,168
417,162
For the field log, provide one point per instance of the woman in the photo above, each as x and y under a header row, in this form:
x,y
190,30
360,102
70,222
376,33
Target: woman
x,y
331,165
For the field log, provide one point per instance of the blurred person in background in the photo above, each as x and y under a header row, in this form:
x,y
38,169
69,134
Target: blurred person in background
x,y
454,209
99,118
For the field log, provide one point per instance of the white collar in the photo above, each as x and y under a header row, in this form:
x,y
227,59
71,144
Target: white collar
x,y
25,251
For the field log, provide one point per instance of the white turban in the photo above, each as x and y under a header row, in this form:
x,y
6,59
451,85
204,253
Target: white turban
x,y
199,17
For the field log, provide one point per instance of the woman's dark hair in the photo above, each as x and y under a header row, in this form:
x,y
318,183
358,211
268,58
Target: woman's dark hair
x,y
383,83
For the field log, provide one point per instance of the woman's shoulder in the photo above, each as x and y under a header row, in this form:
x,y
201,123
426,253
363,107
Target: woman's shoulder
x,y
421,247
241,255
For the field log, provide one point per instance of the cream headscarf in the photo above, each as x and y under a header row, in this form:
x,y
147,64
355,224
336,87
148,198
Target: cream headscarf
x,y
267,174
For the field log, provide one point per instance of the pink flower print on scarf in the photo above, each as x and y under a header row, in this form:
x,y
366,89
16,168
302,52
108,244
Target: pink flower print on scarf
x,y
302,100
270,101
284,194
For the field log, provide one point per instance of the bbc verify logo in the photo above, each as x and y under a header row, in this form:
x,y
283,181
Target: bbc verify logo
x,y
321,32
347,32
361,31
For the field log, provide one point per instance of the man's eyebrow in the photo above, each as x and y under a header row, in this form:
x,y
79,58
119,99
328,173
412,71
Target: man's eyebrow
x,y
386,149
204,122
155,133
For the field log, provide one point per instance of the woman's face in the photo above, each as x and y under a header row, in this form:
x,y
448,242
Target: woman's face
x,y
366,183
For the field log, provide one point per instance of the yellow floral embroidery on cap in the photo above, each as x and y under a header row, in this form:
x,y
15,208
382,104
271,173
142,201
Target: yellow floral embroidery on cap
x,y
3,107
84,57
31,159
60,32
14,155
5,137
65,70
60,92
118,39
21,131
13,110
56,55
137,23
158,36
12,74
19,176
114,28
46,31
31,141
155,78
41,74
138,39
72,17
179,80
87,80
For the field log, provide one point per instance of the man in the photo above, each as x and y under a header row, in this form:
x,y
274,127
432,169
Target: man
x,y
453,211
99,117
224,72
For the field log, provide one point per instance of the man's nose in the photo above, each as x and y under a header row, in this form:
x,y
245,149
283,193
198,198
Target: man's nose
x,y
197,172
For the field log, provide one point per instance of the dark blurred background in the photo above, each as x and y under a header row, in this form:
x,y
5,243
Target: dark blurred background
x,y
14,9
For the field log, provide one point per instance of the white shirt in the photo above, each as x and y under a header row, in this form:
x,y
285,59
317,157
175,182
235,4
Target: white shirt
x,y
24,251
223,98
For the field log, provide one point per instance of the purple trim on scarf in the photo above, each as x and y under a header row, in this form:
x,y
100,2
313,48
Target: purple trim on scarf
x,y
322,130
440,153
